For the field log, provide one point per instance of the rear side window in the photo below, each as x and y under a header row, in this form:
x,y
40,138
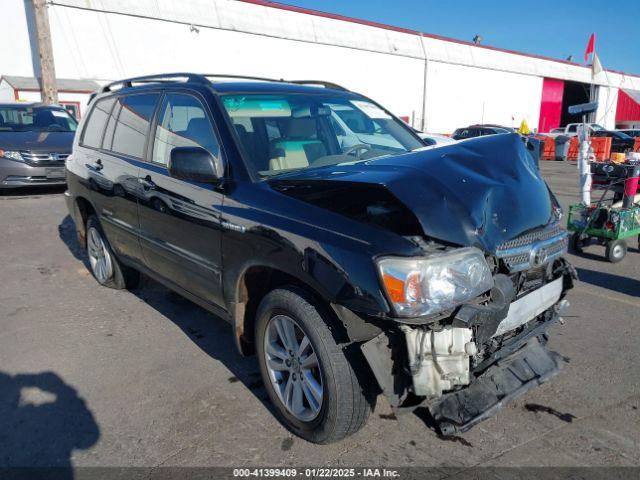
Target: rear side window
x,y
182,122
132,125
92,134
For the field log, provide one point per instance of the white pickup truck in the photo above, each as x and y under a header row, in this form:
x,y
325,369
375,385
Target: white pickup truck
x,y
572,129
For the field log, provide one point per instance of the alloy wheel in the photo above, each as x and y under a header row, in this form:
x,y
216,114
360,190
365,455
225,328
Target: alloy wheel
x,y
293,368
99,256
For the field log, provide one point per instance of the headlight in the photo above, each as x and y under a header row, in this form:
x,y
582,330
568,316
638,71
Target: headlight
x,y
423,286
11,155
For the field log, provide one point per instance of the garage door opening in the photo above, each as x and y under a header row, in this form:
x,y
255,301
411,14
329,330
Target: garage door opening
x,y
575,93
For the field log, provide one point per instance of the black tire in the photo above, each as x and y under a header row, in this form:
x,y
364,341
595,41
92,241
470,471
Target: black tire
x,y
344,408
121,277
577,244
616,250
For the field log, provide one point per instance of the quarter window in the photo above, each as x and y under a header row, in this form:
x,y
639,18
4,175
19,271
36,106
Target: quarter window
x,y
182,123
92,134
132,124
111,125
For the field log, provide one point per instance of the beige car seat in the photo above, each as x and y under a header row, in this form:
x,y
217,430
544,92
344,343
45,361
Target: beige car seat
x,y
298,148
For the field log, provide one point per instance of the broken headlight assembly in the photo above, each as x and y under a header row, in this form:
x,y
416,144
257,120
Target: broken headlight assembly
x,y
435,283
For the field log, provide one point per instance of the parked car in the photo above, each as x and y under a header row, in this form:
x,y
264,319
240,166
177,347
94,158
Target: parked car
x,y
352,129
554,132
480,130
620,142
35,140
630,131
349,271
434,139
571,129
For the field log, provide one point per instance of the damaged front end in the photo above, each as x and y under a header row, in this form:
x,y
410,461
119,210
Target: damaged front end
x,y
466,364
468,309
471,336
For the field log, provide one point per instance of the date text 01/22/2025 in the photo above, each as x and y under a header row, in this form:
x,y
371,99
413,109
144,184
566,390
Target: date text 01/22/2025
x,y
316,472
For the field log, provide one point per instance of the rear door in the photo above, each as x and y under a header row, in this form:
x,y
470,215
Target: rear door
x,y
114,170
180,220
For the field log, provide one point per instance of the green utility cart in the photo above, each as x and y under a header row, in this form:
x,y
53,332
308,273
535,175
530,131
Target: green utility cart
x,y
605,225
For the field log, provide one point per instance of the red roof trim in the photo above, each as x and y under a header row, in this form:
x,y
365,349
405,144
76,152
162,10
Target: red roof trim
x,y
335,16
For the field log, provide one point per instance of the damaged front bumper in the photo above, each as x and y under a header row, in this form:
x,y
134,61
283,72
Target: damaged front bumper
x,y
532,365
467,368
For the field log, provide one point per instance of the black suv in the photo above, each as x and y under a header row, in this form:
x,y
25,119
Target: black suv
x,y
352,264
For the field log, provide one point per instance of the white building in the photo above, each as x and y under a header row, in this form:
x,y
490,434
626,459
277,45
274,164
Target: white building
x,y
72,94
436,83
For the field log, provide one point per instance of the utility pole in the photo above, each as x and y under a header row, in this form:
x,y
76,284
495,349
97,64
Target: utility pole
x,y
48,87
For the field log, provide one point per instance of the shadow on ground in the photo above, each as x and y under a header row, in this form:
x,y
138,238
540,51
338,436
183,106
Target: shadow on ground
x,y
67,233
617,283
211,334
42,420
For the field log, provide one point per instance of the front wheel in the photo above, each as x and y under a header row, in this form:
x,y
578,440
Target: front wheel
x,y
306,374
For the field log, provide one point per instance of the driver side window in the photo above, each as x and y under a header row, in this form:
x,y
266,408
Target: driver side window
x,y
182,122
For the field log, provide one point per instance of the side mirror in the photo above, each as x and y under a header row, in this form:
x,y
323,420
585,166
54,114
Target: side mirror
x,y
193,163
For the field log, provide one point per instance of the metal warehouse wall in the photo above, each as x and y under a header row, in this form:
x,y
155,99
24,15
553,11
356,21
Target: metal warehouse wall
x,y
110,39
476,95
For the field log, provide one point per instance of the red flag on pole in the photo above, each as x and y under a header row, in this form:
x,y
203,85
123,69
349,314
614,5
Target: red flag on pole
x,y
591,47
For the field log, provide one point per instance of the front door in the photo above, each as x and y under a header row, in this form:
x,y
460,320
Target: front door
x,y
179,220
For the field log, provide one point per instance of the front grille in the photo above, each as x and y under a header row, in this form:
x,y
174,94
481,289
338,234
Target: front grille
x,y
42,158
539,235
534,249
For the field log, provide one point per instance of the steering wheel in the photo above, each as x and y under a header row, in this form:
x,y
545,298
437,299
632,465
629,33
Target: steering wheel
x,y
356,148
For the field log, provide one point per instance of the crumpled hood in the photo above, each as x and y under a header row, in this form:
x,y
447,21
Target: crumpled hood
x,y
45,142
479,192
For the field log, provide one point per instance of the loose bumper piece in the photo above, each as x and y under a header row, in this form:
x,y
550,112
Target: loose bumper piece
x,y
505,381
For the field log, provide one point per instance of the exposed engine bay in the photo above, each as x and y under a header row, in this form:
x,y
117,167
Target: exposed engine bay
x,y
468,365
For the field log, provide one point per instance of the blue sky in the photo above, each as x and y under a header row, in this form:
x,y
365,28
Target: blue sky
x,y
555,29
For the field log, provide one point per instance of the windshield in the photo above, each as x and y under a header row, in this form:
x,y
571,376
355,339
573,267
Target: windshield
x,y
24,118
290,132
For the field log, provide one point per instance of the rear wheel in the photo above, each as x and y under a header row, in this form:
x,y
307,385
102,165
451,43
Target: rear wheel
x,y
306,374
616,250
105,267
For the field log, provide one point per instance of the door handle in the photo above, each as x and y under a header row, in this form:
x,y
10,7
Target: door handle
x,y
96,166
147,183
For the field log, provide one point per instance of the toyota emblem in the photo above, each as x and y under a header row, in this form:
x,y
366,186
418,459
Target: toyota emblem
x,y
538,256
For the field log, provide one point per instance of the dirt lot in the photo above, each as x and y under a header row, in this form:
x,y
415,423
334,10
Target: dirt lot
x,y
98,377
